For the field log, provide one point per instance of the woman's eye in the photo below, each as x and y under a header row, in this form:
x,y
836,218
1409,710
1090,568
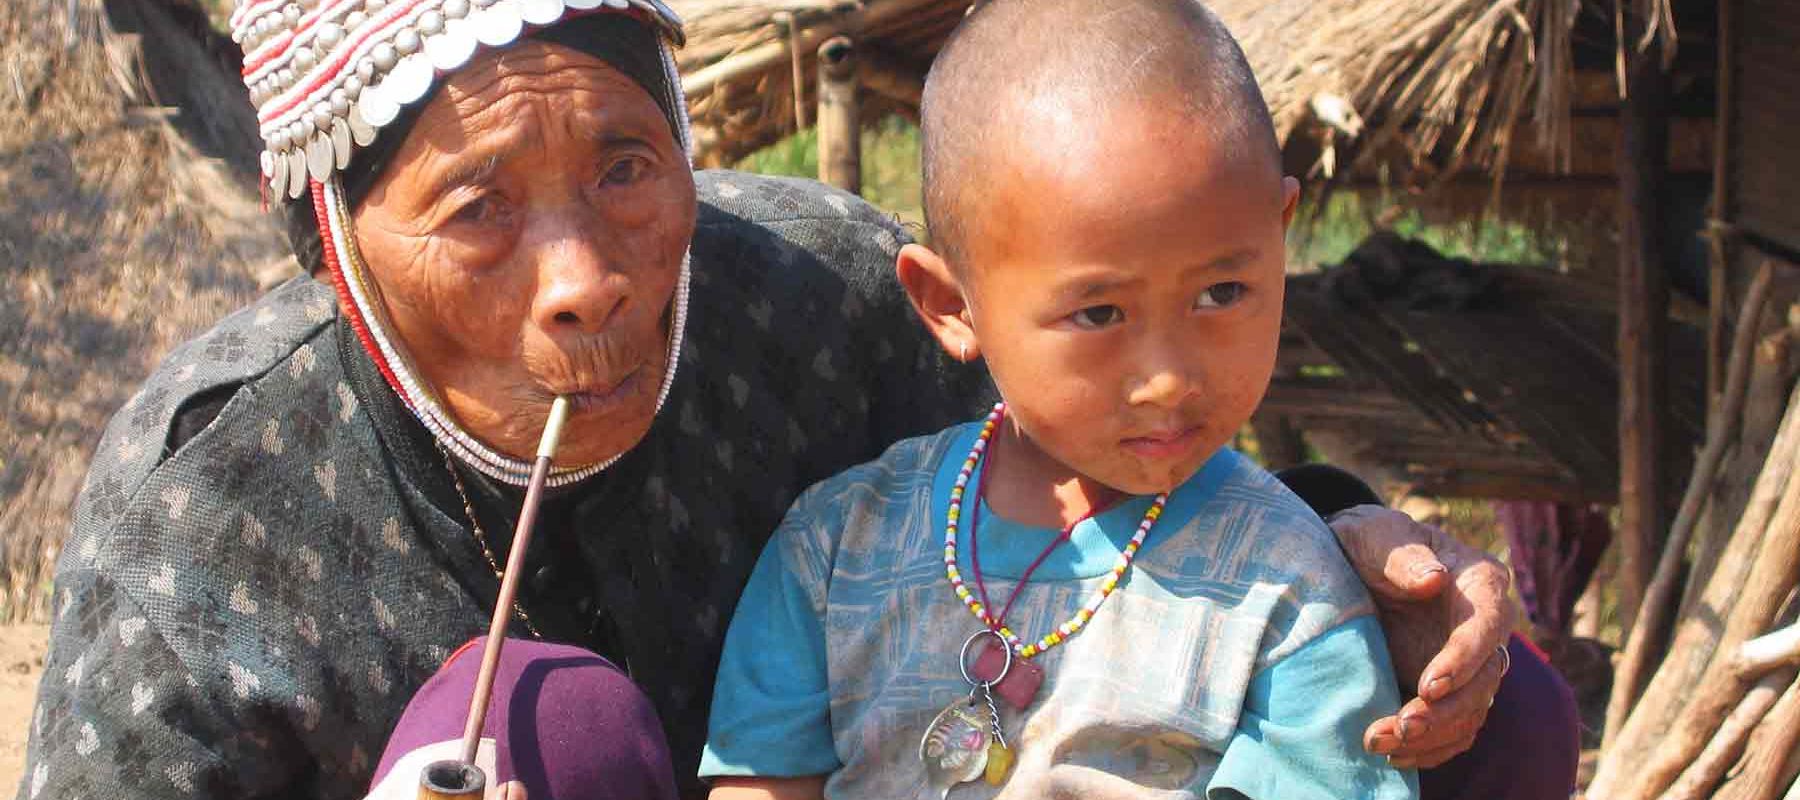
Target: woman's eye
x,y
623,171
480,209
1096,317
1220,295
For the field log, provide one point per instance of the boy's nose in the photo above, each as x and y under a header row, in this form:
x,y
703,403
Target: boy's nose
x,y
1164,382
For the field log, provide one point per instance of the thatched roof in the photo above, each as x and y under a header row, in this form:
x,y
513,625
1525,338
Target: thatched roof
x,y
126,225
1428,84
1467,379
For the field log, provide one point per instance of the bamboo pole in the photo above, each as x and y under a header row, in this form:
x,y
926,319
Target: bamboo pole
x,y
1770,650
1699,635
770,55
1646,636
1728,743
1759,776
840,129
1723,685
1721,264
1643,323
797,74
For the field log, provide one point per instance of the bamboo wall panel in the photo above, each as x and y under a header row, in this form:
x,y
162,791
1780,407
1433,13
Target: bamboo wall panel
x,y
1765,152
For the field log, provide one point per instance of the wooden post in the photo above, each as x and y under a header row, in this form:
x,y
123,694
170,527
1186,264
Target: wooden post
x,y
1279,440
1717,230
1643,317
840,136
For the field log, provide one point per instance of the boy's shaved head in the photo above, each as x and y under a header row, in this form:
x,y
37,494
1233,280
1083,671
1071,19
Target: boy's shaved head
x,y
1023,80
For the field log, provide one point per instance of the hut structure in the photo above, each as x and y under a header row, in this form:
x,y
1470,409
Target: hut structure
x,y
126,225
1658,132
1436,377
1441,99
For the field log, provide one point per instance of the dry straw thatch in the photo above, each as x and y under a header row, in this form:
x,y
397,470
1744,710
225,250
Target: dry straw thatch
x,y
1425,87
125,227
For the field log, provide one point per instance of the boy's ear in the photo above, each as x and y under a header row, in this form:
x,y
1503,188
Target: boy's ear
x,y
1290,200
937,295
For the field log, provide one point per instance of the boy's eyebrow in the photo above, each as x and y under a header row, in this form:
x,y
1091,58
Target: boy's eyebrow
x,y
1089,286
1230,262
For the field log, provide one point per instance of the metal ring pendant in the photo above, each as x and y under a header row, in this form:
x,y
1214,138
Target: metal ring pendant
x,y
962,660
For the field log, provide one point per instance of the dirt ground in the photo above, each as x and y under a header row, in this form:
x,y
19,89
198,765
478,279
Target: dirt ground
x,y
21,661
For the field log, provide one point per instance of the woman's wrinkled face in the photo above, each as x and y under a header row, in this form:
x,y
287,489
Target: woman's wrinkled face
x,y
526,240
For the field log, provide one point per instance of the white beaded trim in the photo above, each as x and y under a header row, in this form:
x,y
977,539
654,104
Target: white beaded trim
x,y
424,403
333,100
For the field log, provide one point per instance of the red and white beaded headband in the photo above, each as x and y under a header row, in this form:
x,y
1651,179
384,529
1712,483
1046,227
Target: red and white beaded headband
x,y
327,75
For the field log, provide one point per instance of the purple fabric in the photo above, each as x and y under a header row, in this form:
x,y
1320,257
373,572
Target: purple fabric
x,y
1530,746
568,724
1555,549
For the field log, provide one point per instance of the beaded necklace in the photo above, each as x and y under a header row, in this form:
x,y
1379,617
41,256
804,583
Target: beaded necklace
x,y
1073,625
965,740
481,540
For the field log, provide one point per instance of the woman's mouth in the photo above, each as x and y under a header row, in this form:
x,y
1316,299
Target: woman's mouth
x,y
1164,444
604,399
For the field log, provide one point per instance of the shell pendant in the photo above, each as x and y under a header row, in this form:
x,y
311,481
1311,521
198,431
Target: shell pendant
x,y
955,747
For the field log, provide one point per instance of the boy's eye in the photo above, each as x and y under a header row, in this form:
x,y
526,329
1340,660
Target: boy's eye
x,y
1220,295
1095,317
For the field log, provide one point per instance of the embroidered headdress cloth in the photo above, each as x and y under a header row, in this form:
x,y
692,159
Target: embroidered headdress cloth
x,y
328,76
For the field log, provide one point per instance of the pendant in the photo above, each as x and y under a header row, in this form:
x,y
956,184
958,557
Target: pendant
x,y
955,747
1017,683
999,762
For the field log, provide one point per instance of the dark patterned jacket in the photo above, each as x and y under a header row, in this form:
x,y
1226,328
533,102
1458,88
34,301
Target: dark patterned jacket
x,y
270,555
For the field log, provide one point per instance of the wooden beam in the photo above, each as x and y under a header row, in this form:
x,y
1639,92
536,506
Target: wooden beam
x,y
1279,440
840,134
887,75
1718,304
1643,321
773,54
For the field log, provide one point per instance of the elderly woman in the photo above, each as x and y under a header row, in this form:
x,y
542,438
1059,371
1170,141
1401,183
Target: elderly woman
x,y
302,514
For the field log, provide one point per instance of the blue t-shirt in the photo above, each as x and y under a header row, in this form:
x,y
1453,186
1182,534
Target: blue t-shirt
x,y
1239,657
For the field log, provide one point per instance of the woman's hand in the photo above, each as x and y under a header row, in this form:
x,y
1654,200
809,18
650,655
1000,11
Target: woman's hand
x,y
807,788
1445,610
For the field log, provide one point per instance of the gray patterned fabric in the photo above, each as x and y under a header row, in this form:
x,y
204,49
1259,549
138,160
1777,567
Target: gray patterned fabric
x,y
246,613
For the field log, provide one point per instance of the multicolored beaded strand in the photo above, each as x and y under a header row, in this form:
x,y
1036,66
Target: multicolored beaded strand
x,y
1073,625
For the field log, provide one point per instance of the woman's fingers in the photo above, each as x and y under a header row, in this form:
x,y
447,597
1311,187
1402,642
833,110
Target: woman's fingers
x,y
1390,552
1426,733
1480,614
1431,759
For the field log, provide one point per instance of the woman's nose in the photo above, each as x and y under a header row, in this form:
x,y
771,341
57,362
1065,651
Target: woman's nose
x,y
577,290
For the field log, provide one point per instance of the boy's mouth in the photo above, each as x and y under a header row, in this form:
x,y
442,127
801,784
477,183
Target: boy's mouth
x,y
1164,444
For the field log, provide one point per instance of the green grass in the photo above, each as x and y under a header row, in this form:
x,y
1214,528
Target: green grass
x,y
1346,220
890,163
890,155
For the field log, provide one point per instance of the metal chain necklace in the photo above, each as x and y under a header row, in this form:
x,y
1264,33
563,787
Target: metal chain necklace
x,y
965,740
481,539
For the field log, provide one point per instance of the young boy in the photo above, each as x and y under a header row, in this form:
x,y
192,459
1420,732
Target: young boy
x,y
1107,211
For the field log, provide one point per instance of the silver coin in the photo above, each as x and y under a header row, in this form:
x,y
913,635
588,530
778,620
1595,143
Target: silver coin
x,y
540,12
453,47
498,24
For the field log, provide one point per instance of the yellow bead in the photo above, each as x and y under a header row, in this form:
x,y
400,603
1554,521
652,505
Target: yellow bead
x,y
999,763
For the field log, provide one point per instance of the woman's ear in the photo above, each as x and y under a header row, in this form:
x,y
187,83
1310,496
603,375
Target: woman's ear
x,y
937,295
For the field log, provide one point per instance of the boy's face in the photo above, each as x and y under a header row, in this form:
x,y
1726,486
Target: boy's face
x,y
1125,290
